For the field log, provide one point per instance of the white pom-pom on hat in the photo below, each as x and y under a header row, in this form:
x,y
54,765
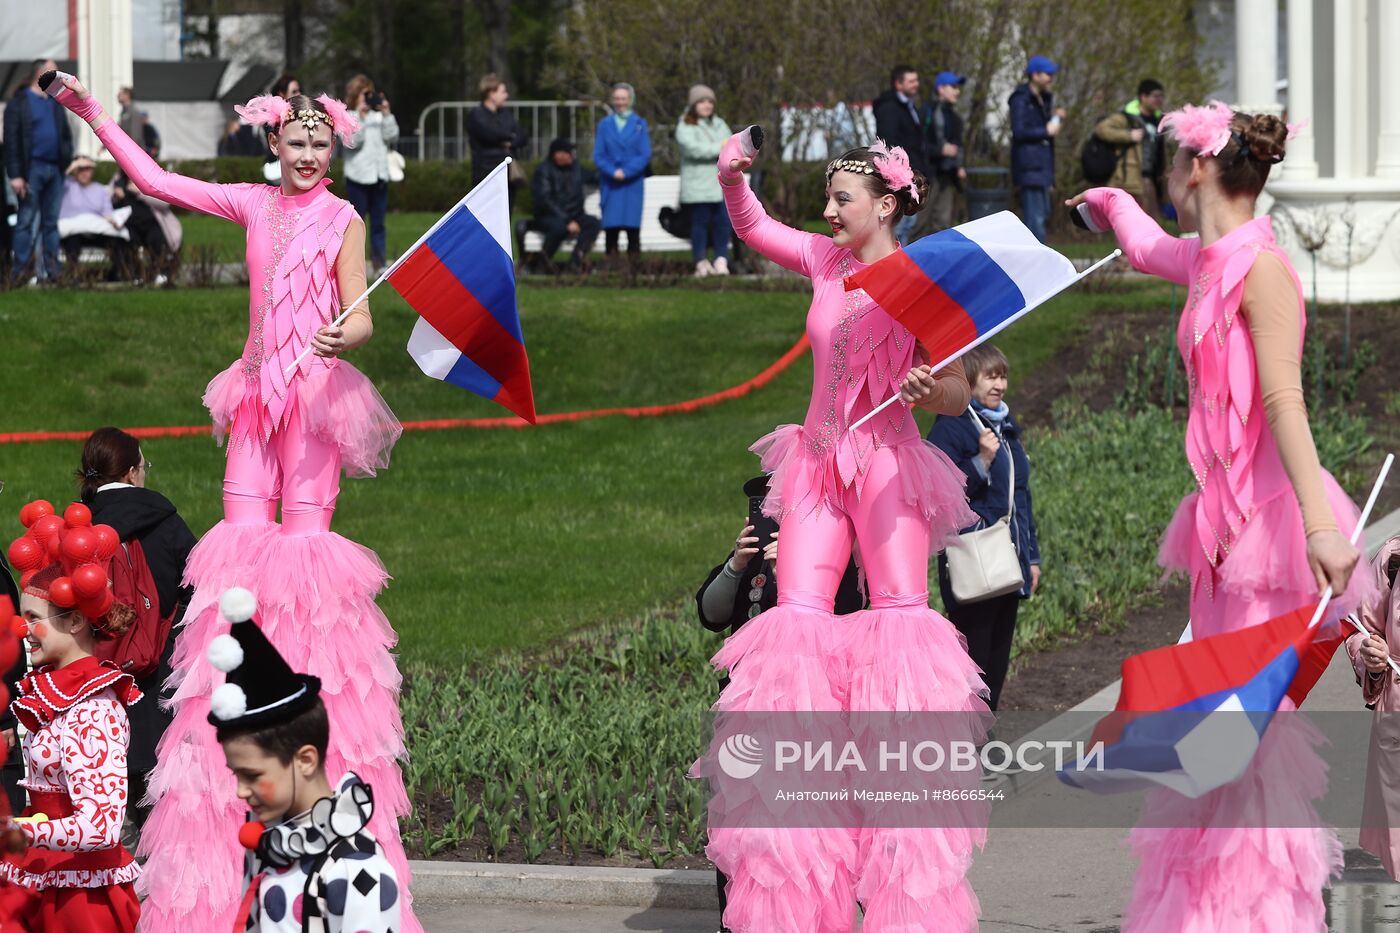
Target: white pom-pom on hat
x,y
228,702
237,604
225,653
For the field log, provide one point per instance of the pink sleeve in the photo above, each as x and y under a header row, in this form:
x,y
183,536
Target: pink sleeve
x,y
93,744
789,248
1375,617
226,201
1149,248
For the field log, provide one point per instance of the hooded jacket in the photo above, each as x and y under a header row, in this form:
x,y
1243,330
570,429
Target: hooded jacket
x,y
149,517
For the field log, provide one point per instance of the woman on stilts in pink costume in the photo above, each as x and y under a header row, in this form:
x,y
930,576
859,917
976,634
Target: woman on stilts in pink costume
x,y
881,486
288,438
1259,537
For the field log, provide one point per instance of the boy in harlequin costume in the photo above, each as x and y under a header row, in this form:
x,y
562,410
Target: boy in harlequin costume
x,y
293,419
74,875
314,865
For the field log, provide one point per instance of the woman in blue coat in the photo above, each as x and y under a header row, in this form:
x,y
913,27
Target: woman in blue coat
x,y
984,446
622,152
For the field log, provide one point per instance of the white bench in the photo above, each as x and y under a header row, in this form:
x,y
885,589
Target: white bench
x,y
659,191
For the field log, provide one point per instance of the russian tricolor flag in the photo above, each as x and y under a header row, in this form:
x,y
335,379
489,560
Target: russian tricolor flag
x,y
460,278
1191,715
958,287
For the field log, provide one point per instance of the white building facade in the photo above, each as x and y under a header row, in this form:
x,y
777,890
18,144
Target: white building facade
x,y
1336,197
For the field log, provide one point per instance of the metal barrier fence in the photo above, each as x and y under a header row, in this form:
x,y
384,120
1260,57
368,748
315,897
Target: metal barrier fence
x,y
442,128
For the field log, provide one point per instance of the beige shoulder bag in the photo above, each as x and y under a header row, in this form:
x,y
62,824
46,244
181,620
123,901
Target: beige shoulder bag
x,y
983,564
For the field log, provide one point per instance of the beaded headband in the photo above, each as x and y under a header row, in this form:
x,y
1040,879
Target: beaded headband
x,y
891,162
272,111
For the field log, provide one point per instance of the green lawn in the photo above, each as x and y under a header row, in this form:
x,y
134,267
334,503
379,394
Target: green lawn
x,y
496,539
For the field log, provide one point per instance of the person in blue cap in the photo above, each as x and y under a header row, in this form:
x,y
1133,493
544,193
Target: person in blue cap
x,y
1035,122
943,130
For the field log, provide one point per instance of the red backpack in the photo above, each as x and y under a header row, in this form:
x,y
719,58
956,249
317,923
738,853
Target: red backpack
x,y
136,651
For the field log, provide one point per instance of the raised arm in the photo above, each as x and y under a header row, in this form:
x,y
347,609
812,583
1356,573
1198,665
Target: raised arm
x,y
226,201
1148,247
789,248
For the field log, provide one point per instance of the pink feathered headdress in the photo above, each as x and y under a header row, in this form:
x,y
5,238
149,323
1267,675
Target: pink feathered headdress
x,y
1207,130
893,165
266,110
271,110
343,122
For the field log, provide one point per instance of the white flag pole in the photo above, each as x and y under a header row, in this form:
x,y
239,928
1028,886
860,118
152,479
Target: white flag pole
x,y
397,262
998,329
1356,536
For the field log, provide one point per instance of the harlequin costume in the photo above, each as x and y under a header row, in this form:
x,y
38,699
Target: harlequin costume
x,y
75,875
1241,536
321,871
884,486
288,438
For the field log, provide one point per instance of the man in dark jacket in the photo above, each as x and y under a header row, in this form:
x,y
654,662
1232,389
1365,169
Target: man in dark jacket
x,y
38,147
1035,122
492,129
897,123
558,190
943,128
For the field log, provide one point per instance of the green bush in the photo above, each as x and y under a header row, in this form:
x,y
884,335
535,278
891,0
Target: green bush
x,y
427,186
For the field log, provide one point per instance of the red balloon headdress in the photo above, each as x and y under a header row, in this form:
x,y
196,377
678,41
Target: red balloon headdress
x,y
65,559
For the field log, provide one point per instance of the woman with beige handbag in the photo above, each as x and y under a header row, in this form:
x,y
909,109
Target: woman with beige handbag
x,y
994,565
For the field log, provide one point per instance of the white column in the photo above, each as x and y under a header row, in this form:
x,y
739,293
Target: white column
x,y
1388,70
1344,90
104,55
1302,158
1256,55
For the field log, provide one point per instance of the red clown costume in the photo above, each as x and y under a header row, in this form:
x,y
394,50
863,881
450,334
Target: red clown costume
x,y
74,875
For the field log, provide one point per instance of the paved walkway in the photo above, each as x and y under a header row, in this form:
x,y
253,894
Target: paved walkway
x,y
1066,881
1054,880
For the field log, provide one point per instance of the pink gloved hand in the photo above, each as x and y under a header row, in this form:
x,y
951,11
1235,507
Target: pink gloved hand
x,y
69,92
738,154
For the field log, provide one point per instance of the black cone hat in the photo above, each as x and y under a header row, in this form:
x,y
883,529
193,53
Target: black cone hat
x,y
262,690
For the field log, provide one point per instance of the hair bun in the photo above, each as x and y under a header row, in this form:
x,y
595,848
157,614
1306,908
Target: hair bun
x,y
1266,136
912,206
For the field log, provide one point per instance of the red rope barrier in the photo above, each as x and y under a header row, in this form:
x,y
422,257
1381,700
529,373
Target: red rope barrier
x,y
510,421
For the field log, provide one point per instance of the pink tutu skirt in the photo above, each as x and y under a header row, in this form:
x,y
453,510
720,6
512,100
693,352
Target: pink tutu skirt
x,y
803,479
1266,571
338,405
908,879
316,604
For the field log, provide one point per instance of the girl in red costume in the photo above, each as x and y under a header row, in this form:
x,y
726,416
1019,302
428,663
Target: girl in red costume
x,y
75,876
294,420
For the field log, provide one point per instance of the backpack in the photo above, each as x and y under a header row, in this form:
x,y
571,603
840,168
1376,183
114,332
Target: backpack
x,y
1098,160
136,651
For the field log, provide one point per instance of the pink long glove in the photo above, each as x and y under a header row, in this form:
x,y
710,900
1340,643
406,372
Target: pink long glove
x,y
742,145
1148,247
86,108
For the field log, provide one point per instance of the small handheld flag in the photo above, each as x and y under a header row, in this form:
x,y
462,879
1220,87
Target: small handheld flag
x,y
460,278
959,287
1190,716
